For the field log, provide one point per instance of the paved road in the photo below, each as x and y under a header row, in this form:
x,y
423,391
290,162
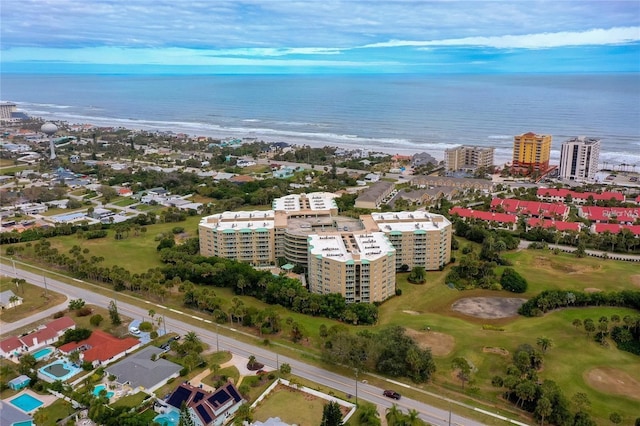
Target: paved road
x,y
207,332
524,244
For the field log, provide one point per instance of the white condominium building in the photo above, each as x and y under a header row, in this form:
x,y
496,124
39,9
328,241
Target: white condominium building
x,y
420,238
355,257
242,236
579,159
360,266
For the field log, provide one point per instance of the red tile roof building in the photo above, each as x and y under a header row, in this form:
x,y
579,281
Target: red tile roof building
x,y
102,348
504,220
552,194
559,225
531,208
614,228
47,334
625,215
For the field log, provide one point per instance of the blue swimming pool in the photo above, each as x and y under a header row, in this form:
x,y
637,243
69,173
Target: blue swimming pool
x,y
59,370
26,402
100,388
42,353
172,418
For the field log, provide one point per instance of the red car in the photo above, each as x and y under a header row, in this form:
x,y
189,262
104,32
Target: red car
x,y
391,394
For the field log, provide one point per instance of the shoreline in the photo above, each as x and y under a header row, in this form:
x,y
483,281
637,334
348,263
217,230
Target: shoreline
x,y
502,154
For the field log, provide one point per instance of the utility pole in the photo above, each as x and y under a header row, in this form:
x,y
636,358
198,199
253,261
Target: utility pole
x,y
44,279
217,337
356,387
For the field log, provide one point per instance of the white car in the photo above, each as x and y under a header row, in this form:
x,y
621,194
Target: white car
x,y
134,330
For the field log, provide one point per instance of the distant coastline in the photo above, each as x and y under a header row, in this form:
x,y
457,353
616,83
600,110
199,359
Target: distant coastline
x,y
394,114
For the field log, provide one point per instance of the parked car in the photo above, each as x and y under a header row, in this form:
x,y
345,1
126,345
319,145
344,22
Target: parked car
x,y
173,339
134,330
260,372
392,394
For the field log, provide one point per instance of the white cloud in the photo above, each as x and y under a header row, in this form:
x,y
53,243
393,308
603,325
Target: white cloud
x,y
529,41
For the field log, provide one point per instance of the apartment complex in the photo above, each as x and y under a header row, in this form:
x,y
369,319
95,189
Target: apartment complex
x,y
357,257
420,238
467,157
7,109
360,266
579,159
531,153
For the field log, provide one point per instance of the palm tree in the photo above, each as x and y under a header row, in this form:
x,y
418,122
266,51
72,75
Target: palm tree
x,y
369,415
544,343
192,337
394,416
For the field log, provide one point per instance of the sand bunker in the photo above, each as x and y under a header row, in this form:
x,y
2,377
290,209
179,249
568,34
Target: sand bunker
x,y
489,307
411,312
592,290
494,350
611,380
440,344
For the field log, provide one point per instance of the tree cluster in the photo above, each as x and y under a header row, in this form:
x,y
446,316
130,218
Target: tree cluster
x,y
389,351
182,262
553,299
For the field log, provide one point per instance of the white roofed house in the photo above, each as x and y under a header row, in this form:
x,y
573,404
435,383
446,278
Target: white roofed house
x,y
9,300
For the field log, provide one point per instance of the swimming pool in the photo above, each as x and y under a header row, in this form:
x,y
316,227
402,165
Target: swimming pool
x,y
26,402
59,370
42,353
100,388
172,418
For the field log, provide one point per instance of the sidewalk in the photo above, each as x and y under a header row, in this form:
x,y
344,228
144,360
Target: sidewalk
x,y
6,327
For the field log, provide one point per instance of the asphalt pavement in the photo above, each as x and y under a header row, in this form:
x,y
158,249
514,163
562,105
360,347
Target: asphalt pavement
x,y
207,331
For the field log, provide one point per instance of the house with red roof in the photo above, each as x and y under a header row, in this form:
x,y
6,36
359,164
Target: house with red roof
x,y
101,348
501,220
559,225
554,210
614,228
624,215
46,334
557,195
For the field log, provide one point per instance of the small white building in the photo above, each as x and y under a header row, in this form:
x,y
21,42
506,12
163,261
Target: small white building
x,y
9,300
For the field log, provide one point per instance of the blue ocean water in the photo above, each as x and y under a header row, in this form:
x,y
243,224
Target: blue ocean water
x,y
392,113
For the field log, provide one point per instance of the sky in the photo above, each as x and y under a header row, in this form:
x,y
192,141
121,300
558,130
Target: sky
x,y
319,36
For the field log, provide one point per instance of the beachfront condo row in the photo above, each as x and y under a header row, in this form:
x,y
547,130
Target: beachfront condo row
x,y
531,153
357,257
579,159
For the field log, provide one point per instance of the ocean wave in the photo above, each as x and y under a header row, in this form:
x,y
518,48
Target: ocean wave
x,y
500,137
35,104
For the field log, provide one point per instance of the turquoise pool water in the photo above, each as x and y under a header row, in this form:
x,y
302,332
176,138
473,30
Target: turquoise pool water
x,y
60,370
100,388
42,353
172,418
26,402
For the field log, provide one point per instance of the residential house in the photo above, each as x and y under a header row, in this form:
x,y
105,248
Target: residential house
x,y
559,225
530,208
623,215
32,208
283,172
101,348
422,159
9,300
144,370
460,183
206,408
11,416
372,177
372,197
615,228
45,335
497,220
553,195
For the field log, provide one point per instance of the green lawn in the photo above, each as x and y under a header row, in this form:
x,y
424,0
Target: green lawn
x,y
131,400
49,416
34,299
125,201
292,406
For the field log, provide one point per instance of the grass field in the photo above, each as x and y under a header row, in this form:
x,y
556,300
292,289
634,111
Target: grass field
x,y
429,305
34,299
292,406
49,416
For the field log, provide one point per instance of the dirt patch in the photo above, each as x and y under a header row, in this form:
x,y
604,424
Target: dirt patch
x,y
611,380
635,280
411,312
567,268
494,350
440,344
592,290
489,307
